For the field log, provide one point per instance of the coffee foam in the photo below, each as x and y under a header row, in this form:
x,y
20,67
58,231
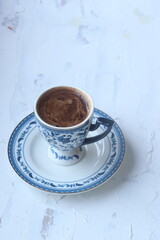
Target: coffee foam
x,y
63,107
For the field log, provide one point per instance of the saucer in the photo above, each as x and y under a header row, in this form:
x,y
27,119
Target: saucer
x,y
27,152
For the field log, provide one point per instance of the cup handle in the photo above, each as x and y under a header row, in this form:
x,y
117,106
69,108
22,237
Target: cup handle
x,y
100,121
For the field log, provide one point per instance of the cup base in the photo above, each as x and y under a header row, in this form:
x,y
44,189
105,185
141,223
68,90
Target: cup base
x,y
66,158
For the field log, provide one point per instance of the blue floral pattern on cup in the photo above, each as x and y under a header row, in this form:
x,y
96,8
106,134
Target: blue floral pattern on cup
x,y
64,157
64,140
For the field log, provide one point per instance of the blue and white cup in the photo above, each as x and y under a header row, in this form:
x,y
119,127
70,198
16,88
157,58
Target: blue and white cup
x,y
66,143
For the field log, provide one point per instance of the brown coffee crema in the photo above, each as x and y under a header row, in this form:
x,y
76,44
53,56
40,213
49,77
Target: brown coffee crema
x,y
62,107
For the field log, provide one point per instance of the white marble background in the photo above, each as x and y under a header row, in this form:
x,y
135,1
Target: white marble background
x,y
111,49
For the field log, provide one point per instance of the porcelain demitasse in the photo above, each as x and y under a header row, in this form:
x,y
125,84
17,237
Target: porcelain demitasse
x,y
66,143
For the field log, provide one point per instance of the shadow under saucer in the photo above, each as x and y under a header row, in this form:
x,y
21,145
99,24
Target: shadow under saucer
x,y
118,179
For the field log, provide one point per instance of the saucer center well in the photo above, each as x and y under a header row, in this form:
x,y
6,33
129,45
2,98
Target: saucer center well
x,y
36,157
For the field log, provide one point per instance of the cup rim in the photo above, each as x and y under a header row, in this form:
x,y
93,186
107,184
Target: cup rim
x,y
64,128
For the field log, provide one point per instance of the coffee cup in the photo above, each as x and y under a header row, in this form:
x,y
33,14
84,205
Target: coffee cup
x,y
64,118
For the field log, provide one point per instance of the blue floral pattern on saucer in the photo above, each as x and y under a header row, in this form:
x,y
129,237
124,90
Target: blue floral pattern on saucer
x,y
17,158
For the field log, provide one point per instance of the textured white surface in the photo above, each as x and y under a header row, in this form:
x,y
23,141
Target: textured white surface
x,y
111,50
